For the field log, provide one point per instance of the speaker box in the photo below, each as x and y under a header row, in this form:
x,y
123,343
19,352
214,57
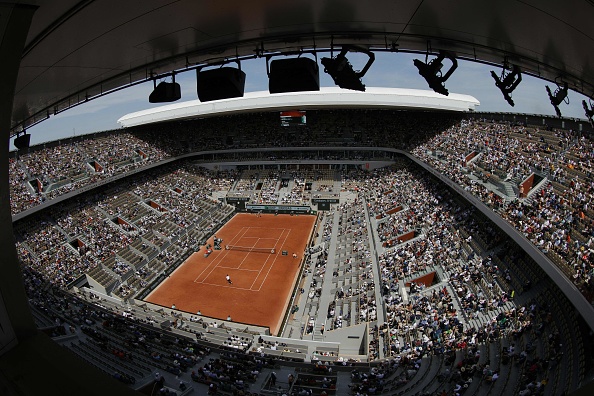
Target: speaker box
x,y
22,142
293,75
165,92
221,83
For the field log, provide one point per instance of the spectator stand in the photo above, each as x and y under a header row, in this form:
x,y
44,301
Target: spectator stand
x,y
306,293
354,286
315,268
473,253
317,382
547,151
280,348
230,373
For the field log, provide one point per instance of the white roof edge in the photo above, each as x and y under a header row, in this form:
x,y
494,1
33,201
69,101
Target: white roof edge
x,y
395,98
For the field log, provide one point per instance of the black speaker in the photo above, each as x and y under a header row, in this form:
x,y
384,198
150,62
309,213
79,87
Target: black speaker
x,y
165,92
221,83
22,142
293,75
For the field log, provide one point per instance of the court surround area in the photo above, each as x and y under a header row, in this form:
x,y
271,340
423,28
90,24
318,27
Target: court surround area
x,y
260,277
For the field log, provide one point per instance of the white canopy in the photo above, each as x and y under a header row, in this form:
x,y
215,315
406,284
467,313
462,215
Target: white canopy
x,y
333,97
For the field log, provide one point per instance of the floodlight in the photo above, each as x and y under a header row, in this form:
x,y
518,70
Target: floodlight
x,y
341,71
507,83
22,142
589,110
292,75
431,71
165,92
221,83
558,97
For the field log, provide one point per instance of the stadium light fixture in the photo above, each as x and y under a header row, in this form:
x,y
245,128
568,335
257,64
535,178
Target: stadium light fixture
x,y
165,91
431,71
341,70
22,141
293,74
508,82
220,83
558,97
589,110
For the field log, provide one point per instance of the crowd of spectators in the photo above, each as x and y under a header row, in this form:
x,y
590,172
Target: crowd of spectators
x,y
285,187
557,219
160,203
22,196
510,151
429,322
54,169
53,163
67,165
557,216
230,373
97,228
268,193
433,316
295,193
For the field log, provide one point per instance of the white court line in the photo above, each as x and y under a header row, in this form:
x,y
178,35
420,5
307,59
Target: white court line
x,y
248,253
226,286
273,247
238,269
272,265
267,273
239,237
273,261
220,259
254,245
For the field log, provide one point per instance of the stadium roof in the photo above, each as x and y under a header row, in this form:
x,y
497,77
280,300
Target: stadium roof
x,y
377,98
77,50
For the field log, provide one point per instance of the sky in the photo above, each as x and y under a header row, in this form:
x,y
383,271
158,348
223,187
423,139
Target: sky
x,y
394,70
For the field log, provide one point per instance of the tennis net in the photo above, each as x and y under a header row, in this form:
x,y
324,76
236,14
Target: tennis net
x,y
250,249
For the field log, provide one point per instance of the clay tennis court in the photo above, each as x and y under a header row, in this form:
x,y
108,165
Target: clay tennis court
x,y
262,281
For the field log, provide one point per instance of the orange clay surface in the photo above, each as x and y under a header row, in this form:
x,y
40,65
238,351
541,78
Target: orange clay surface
x,y
262,282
